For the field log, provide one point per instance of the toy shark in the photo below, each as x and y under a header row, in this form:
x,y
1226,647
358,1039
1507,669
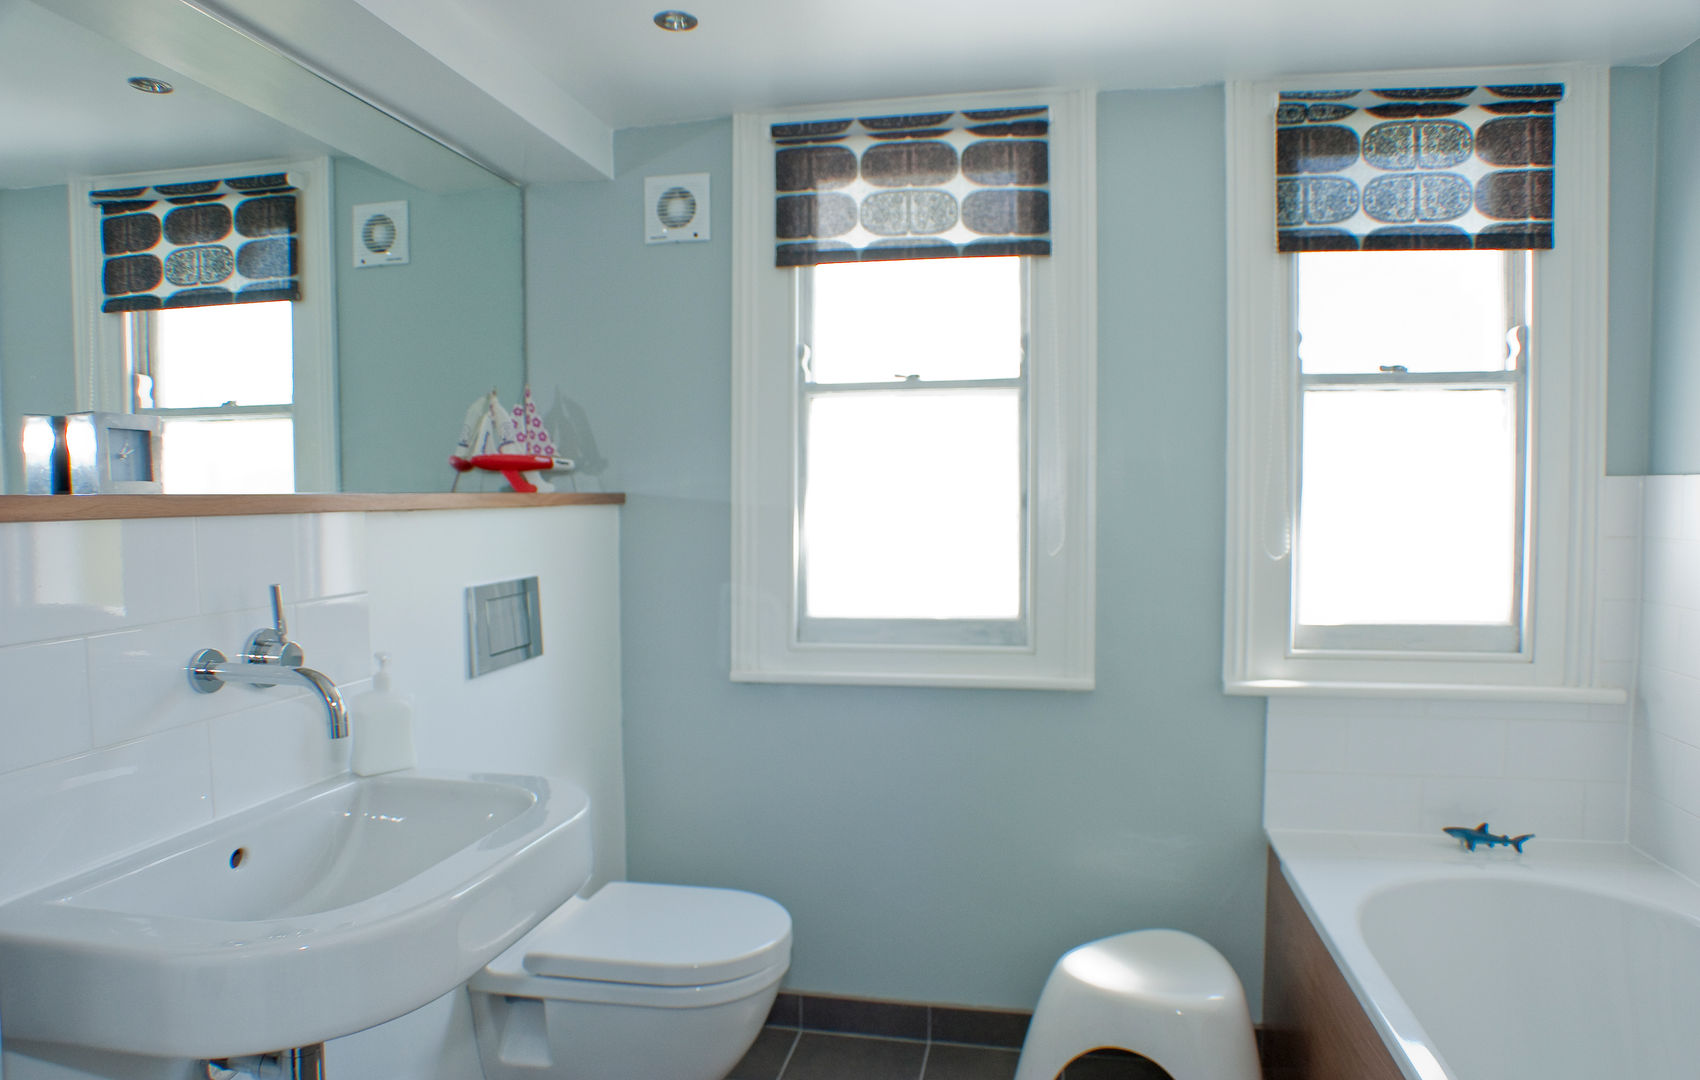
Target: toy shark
x,y
1480,835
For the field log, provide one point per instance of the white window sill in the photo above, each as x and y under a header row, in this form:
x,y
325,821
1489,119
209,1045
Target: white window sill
x,y
1573,695
935,679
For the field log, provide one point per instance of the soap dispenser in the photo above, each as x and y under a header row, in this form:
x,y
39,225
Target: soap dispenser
x,y
382,725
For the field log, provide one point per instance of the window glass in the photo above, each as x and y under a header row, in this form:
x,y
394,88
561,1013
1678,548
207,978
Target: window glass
x,y
913,505
939,319
1364,311
207,357
1408,507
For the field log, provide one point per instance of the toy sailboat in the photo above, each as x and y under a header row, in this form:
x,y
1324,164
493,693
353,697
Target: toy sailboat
x,y
514,444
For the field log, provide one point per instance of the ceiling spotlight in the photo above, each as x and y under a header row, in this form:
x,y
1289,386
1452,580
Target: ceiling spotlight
x,y
677,21
150,86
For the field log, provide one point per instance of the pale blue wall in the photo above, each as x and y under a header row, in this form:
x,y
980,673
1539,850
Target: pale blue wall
x,y
418,342
1634,156
933,845
36,355
1676,270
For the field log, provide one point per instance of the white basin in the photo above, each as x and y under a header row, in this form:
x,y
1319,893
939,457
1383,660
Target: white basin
x,y
307,918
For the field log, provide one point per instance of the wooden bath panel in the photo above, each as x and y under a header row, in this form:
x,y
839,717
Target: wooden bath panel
x,y
1313,1026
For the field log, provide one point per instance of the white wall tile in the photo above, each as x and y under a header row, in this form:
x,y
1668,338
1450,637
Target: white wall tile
x,y
139,682
1616,631
1660,628
332,555
1670,703
1433,746
1342,801
1670,769
1620,506
1663,508
1686,493
242,557
1606,814
1567,750
336,636
1618,573
1507,710
1555,809
46,710
83,810
1665,832
1296,742
269,751
68,578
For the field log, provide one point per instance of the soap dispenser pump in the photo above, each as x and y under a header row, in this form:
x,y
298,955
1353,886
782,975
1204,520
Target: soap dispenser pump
x,y
382,722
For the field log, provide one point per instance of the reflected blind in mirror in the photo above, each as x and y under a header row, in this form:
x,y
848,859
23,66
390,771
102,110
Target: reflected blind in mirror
x,y
1420,168
916,186
195,244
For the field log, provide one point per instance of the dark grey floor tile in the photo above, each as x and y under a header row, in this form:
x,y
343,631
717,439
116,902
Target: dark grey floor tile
x,y
850,1057
785,1011
856,1016
1113,1065
947,1061
981,1027
767,1056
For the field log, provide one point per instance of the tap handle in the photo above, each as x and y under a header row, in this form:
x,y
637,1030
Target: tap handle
x,y
278,624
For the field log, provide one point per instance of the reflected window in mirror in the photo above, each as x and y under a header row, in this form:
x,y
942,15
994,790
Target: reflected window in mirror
x,y
245,391
221,380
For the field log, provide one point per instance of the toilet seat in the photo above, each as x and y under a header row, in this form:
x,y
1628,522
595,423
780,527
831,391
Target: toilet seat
x,y
667,946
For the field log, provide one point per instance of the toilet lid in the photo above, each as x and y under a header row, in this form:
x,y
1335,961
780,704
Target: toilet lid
x,y
661,935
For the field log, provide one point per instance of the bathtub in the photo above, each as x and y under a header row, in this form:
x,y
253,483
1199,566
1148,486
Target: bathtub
x,y
1575,961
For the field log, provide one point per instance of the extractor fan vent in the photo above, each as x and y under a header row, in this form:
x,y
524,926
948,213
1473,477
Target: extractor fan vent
x,y
380,234
675,208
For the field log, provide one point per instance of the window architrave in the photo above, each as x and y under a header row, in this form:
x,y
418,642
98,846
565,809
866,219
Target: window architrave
x,y
1567,445
765,642
99,341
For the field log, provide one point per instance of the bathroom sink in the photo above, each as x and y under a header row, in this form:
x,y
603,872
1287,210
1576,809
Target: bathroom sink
x,y
310,917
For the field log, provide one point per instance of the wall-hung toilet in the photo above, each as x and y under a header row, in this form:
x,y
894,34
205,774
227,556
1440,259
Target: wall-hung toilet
x,y
638,982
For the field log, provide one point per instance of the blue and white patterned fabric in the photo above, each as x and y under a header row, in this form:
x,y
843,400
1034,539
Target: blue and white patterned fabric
x,y
920,186
197,244
1436,167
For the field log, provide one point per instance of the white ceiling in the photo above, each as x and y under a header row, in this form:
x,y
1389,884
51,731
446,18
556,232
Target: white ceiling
x,y
68,110
607,56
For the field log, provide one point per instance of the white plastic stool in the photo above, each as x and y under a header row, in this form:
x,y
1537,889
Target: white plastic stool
x,y
1162,994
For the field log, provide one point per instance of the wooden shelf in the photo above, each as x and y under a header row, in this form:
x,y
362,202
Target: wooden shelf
x,y
98,507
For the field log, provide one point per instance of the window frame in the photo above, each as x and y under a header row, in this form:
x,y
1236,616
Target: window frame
x,y
1566,393
1061,357
101,343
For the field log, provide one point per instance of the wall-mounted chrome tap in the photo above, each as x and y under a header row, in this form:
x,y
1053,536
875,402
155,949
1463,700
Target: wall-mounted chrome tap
x,y
268,659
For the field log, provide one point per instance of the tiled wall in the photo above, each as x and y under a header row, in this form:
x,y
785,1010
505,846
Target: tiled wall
x,y
1414,766
1665,779
103,746
105,749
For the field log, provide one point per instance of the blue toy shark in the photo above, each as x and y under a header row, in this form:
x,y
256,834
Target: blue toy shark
x,y
1480,835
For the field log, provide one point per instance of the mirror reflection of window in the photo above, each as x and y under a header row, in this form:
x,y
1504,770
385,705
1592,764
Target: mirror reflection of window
x,y
221,379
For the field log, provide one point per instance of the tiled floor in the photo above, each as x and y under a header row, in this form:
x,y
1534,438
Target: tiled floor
x,y
788,1053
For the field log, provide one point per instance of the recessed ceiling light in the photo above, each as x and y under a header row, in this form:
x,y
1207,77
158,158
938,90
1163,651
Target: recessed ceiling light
x,y
150,86
676,21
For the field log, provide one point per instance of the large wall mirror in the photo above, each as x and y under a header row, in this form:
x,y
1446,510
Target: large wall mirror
x,y
406,347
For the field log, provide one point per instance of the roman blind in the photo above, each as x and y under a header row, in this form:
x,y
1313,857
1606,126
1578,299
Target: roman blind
x,y
917,186
215,241
1438,167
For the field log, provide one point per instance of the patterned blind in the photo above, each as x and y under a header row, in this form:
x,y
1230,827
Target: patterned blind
x,y
913,187
196,244
1417,168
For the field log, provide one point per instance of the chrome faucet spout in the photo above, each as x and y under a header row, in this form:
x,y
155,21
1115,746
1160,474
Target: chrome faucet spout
x,y
209,670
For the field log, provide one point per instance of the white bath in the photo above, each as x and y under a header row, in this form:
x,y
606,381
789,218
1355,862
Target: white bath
x,y
1574,961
